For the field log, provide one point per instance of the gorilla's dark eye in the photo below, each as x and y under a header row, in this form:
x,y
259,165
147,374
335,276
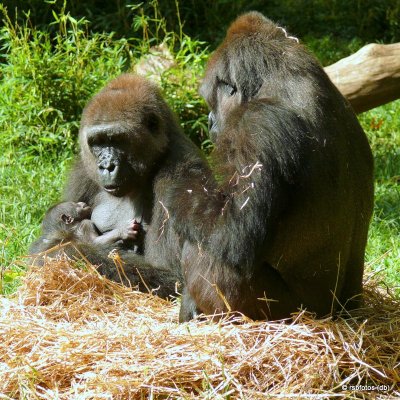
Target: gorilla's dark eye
x,y
227,88
93,140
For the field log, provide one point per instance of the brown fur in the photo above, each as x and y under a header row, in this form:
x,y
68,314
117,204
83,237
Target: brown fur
x,y
132,150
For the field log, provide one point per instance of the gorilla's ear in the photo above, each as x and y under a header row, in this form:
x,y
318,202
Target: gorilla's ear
x,y
67,219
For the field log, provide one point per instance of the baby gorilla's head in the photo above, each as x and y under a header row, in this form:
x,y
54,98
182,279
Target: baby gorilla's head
x,y
71,212
65,215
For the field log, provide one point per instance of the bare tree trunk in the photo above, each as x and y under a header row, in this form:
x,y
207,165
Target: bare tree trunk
x,y
370,77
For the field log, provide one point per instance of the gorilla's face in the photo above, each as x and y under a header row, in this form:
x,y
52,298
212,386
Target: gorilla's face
x,y
123,134
226,99
222,95
122,153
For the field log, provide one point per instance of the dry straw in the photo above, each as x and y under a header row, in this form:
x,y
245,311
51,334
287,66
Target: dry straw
x,y
71,334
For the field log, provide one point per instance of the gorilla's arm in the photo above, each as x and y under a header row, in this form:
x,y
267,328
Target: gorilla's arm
x,y
79,186
255,166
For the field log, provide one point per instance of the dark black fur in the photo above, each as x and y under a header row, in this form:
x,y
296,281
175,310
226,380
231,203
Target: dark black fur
x,y
285,223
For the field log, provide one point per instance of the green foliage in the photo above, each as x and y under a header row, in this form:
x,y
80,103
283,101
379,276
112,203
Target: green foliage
x,y
180,86
28,187
328,49
47,79
382,125
368,20
179,82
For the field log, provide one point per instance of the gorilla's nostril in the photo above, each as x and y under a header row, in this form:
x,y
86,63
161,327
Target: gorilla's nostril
x,y
110,167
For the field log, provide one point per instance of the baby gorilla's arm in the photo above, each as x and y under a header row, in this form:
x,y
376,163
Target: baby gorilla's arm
x,y
131,232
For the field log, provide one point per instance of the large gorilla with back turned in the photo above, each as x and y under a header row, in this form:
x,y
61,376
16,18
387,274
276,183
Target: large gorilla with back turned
x,y
284,224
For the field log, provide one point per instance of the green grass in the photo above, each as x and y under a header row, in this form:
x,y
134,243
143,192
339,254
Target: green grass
x,y
28,188
383,253
46,79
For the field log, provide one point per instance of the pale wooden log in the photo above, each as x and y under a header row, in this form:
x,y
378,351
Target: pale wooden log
x,y
370,77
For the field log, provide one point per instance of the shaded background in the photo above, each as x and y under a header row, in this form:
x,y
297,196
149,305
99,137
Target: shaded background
x,y
367,20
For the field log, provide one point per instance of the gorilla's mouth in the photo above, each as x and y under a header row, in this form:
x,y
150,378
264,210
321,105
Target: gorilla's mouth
x,y
122,187
113,190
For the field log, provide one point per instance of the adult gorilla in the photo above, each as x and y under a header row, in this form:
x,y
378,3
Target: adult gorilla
x,y
132,149
285,223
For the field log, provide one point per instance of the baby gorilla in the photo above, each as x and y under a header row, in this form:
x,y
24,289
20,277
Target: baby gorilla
x,y
70,221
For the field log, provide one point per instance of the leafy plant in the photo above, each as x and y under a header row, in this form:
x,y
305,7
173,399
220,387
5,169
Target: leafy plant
x,y
47,79
382,125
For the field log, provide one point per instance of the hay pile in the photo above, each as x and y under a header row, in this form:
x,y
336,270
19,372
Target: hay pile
x,y
71,334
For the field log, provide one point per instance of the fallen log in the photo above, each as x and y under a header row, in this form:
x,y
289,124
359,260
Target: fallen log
x,y
370,77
